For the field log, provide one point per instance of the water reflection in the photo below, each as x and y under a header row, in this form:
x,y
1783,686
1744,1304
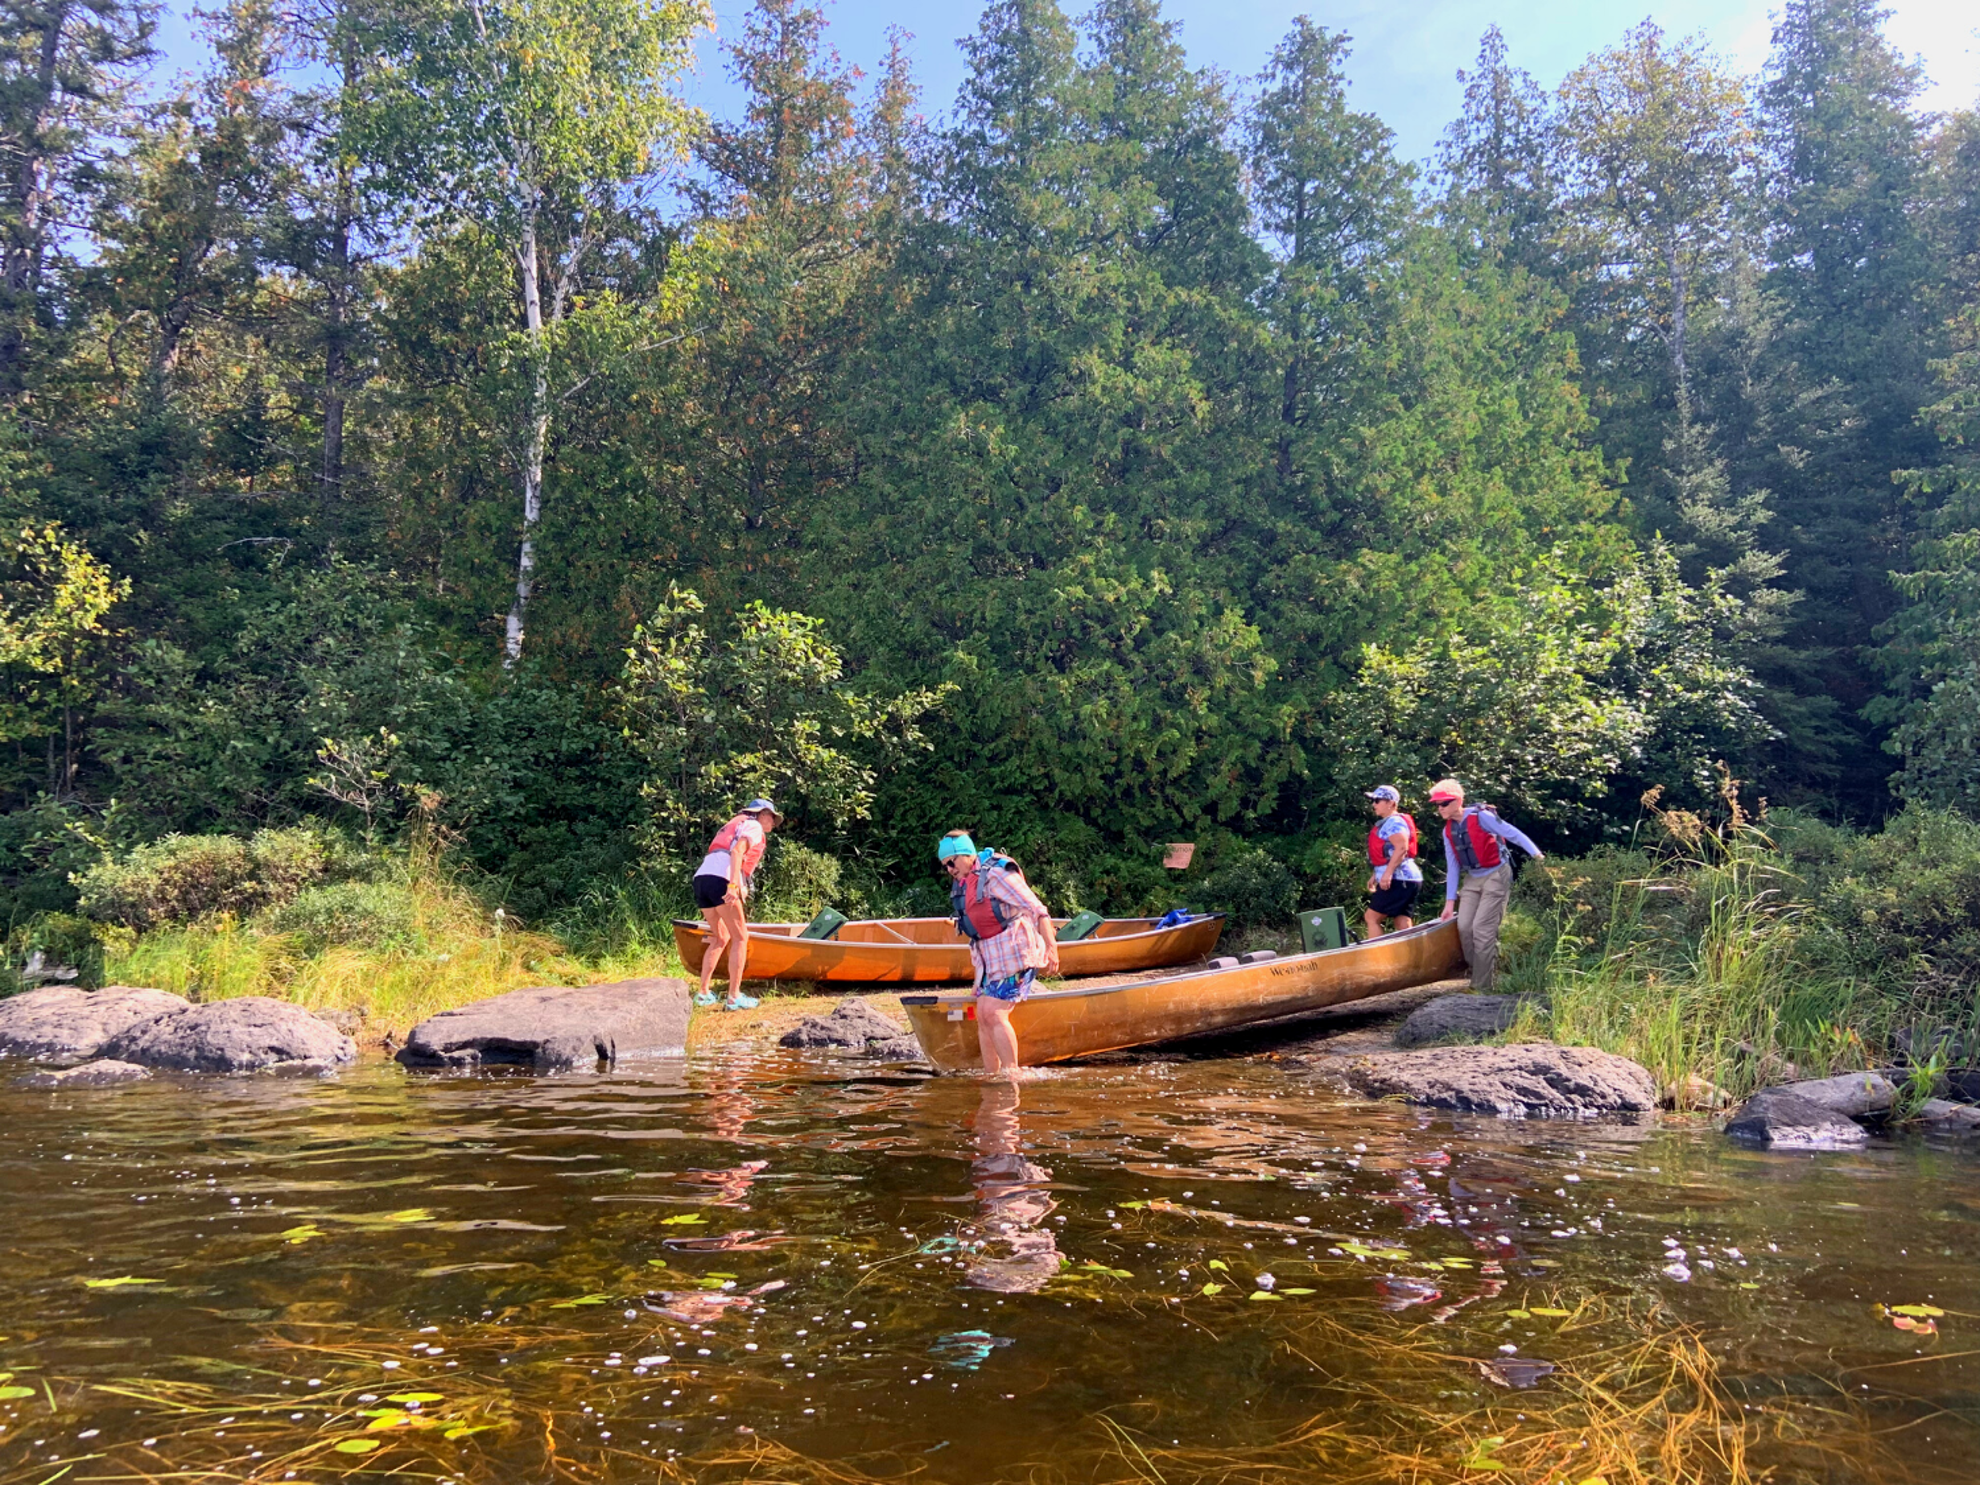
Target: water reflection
x,y
1012,1251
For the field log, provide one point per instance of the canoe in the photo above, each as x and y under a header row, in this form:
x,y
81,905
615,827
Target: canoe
x,y
1053,1025
929,951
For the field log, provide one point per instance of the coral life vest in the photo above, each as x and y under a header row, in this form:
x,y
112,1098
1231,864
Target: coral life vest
x,y
979,915
725,840
1378,848
1475,847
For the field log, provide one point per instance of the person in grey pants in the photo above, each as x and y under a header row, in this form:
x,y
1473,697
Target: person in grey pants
x,y
1477,875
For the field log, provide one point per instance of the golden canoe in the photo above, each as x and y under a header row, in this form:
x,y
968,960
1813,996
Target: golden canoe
x,y
1053,1025
929,951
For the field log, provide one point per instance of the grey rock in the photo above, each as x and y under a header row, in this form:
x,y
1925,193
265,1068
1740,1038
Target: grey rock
x,y
1963,1083
253,1033
1942,1116
1526,1080
852,1024
551,1028
101,1073
1852,1095
1922,1045
1459,1018
897,1049
64,1024
1781,1119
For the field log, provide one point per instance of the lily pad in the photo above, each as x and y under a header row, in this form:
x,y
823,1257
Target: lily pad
x,y
8,1394
355,1446
1919,1312
415,1397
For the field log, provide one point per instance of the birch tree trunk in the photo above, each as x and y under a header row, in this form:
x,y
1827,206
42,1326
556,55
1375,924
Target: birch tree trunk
x,y
536,436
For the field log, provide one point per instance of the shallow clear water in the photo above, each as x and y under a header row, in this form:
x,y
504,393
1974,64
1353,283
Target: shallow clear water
x,y
420,1277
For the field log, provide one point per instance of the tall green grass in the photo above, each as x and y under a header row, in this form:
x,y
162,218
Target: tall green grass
x,y
1723,951
446,946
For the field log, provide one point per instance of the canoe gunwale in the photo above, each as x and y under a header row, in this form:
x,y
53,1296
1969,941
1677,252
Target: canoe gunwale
x,y
696,926
1068,992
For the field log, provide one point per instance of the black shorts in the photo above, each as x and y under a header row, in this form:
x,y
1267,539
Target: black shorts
x,y
710,891
1396,899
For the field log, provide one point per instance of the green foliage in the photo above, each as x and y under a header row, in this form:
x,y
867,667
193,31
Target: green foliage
x,y
182,878
380,915
795,882
1726,951
763,710
1255,888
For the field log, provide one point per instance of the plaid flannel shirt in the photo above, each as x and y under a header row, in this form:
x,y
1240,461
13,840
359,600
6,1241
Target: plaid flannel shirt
x,y
1018,947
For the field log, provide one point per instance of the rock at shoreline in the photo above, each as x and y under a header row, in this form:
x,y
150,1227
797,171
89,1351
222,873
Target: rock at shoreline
x,y
64,1024
553,1028
1534,1080
852,1026
1941,1116
1852,1095
1782,1119
897,1049
253,1033
1459,1018
101,1073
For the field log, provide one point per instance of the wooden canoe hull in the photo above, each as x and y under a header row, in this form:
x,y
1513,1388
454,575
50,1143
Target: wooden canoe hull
x,y
929,951
1054,1025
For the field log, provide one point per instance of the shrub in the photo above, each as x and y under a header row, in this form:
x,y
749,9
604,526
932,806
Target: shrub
x,y
1255,888
186,877
794,882
372,915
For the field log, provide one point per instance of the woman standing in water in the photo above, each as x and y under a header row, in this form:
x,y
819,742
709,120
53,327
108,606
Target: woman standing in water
x,y
1010,940
721,887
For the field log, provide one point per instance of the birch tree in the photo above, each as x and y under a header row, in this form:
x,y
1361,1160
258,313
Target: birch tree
x,y
532,120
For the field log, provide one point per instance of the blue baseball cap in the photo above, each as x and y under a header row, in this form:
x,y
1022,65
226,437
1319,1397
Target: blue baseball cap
x,y
758,806
958,844
1385,791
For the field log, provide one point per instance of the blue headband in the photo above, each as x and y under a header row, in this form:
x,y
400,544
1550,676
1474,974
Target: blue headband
x,y
954,845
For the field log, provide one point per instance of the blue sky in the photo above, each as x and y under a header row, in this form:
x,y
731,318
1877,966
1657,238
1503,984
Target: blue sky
x,y
1406,52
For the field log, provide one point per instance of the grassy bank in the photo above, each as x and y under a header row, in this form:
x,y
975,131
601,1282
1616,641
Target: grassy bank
x,y
1735,950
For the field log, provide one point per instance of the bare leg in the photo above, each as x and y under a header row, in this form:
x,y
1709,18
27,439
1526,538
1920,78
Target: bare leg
x,y
738,951
1372,922
1403,925
995,1036
718,940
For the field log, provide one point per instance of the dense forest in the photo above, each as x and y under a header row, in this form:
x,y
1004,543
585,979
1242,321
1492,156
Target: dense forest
x,y
427,423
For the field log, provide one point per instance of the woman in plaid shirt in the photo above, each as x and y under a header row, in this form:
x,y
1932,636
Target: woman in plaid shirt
x,y
1010,941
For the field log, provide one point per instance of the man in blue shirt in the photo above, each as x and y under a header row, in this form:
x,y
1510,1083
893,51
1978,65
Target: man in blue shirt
x,y
1397,879
1477,875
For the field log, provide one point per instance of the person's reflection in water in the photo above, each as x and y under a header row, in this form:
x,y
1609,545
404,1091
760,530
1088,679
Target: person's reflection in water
x,y
1011,1251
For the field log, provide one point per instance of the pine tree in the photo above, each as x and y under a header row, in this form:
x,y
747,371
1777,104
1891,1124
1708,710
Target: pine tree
x,y
1497,162
1849,265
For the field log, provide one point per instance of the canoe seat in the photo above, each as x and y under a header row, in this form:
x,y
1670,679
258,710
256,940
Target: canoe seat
x,y
828,922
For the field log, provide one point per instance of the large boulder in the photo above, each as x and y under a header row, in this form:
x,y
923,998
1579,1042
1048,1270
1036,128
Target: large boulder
x,y
64,1024
1527,1080
552,1028
253,1033
1459,1018
101,1073
1782,1119
851,1026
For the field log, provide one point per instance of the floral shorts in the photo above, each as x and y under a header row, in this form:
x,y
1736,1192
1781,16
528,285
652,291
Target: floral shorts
x,y
1012,987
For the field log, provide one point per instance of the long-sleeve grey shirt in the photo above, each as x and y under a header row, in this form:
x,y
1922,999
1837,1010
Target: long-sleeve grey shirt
x,y
1492,825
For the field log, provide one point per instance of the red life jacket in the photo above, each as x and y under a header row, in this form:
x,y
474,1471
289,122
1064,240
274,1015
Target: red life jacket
x,y
1477,849
1378,848
725,839
980,917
